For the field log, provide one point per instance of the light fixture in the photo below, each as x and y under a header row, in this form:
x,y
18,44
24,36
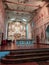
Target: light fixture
x,y
24,20
12,19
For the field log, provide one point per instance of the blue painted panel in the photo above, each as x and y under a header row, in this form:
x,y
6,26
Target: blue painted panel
x,y
2,54
24,42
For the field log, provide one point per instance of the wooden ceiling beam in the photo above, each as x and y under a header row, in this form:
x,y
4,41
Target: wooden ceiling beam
x,y
45,4
21,4
17,10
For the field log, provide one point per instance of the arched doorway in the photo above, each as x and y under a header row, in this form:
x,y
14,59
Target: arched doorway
x,y
47,33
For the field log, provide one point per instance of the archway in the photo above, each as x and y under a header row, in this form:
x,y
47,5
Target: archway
x,y
47,33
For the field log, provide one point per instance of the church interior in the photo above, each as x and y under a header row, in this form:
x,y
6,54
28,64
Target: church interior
x,y
24,32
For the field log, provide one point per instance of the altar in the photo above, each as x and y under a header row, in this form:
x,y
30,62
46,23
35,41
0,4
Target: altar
x,y
24,42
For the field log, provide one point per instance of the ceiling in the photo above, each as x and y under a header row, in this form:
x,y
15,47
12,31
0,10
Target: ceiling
x,y
22,10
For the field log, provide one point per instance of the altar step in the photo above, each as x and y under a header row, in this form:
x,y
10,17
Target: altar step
x,y
23,56
29,51
14,56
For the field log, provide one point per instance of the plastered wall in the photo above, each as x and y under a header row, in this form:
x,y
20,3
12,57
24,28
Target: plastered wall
x,y
41,21
2,18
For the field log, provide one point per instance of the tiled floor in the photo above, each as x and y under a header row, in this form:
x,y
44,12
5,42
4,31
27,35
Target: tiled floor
x,y
29,63
13,46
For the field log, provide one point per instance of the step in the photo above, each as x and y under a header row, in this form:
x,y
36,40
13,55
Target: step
x,y
21,56
21,60
27,52
31,50
25,55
